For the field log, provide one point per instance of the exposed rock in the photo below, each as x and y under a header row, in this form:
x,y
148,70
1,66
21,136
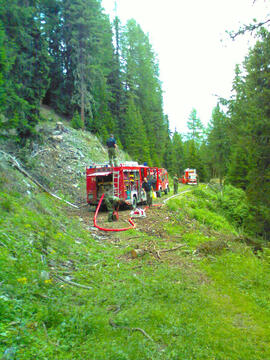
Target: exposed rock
x,y
56,138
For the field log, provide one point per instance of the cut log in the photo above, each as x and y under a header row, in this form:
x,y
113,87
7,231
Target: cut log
x,y
135,253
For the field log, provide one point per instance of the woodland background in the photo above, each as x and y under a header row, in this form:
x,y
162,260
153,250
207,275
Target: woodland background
x,y
104,77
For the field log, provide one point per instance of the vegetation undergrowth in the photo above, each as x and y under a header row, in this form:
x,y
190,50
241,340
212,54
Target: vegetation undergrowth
x,y
202,302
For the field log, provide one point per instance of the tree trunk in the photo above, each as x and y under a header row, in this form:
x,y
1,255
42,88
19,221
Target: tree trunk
x,y
82,105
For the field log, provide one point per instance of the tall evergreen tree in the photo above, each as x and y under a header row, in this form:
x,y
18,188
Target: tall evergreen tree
x,y
195,126
53,23
141,80
3,68
193,159
250,129
178,154
136,141
218,143
29,61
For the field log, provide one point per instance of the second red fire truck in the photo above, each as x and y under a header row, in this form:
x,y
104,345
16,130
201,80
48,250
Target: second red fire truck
x,y
189,177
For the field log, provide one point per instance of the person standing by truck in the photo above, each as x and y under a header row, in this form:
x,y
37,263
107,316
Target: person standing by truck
x,y
111,145
146,186
175,184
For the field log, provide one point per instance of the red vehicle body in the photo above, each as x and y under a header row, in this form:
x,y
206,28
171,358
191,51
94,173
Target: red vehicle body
x,y
160,180
124,181
189,177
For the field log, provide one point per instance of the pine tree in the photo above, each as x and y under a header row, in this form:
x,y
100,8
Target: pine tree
x,y
218,143
141,80
249,112
28,58
178,154
3,68
195,126
136,141
193,159
53,25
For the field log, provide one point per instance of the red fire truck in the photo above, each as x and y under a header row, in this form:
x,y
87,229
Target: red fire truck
x,y
123,181
159,179
189,177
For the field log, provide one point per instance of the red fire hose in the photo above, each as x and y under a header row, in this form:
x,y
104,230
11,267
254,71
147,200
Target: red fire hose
x,y
104,229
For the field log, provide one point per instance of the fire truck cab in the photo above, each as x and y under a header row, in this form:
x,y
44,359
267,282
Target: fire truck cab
x,y
123,181
159,179
190,177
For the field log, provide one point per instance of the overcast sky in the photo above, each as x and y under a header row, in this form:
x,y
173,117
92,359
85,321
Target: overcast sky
x,y
196,57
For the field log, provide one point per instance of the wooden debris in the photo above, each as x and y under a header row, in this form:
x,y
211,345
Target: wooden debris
x,y
17,166
135,253
72,283
130,329
173,249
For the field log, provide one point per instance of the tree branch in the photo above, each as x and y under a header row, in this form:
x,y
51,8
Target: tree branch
x,y
71,282
247,28
131,329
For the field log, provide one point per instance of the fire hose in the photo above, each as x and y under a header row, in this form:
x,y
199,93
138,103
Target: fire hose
x,y
105,229
108,229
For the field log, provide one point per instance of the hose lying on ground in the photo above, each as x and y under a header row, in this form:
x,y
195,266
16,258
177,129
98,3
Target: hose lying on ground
x,y
105,229
123,229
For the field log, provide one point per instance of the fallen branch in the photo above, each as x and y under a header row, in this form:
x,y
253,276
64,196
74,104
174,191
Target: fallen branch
x,y
39,151
72,283
17,166
130,329
173,249
134,237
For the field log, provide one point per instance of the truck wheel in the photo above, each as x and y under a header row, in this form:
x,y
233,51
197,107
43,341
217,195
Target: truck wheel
x,y
159,193
134,202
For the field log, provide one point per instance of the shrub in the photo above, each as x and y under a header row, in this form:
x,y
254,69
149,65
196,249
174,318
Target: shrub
x,y
235,205
76,121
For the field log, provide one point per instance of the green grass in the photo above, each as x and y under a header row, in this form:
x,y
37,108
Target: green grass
x,y
193,305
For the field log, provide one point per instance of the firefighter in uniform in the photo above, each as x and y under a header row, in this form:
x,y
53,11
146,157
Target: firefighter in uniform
x,y
111,144
146,186
175,184
112,203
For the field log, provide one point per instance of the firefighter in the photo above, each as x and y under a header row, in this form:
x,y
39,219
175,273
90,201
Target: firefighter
x,y
146,186
175,184
112,203
111,145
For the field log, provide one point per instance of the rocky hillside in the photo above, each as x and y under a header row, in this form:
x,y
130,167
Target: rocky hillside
x,y
60,155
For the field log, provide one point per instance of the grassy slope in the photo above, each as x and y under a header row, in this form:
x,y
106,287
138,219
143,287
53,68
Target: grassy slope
x,y
193,306
209,300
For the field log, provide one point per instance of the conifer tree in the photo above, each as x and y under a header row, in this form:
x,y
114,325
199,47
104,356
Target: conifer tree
x,y
141,80
195,126
53,23
3,68
218,143
249,127
178,154
135,139
193,159
28,58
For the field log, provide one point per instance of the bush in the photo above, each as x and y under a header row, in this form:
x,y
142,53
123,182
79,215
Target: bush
x,y
235,205
76,121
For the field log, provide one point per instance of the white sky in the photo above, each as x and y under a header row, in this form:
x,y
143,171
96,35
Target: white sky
x,y
186,36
